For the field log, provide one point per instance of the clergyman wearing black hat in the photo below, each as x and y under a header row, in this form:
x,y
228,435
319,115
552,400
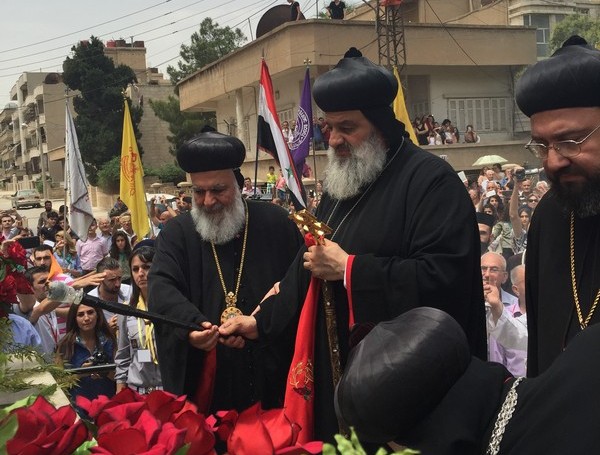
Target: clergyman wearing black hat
x,y
404,232
561,95
213,262
485,222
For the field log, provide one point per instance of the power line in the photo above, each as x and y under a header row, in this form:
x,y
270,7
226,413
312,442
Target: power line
x,y
84,29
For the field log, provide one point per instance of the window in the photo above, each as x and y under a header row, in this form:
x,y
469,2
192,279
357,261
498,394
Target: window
x,y
286,116
542,23
485,114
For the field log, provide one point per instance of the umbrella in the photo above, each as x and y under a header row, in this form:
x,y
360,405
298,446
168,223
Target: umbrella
x,y
488,160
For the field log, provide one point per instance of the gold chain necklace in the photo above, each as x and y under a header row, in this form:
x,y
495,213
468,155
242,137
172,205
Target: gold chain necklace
x,y
582,323
231,310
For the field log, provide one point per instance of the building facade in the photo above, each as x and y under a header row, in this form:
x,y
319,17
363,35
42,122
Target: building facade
x,y
459,71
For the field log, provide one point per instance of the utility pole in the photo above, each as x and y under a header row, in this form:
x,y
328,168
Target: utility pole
x,y
40,146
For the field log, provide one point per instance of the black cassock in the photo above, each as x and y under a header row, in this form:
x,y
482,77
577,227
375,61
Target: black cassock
x,y
416,243
184,284
551,317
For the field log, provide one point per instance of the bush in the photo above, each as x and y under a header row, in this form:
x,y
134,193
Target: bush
x,y
109,176
168,173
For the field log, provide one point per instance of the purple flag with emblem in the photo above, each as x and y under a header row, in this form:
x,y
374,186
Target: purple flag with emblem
x,y
303,133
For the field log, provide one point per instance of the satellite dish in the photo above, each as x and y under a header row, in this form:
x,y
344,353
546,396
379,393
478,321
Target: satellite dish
x,y
273,18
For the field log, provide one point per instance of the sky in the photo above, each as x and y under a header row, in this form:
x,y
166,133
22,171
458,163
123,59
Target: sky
x,y
38,35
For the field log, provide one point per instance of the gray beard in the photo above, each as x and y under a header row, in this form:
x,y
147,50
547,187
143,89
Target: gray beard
x,y
583,200
345,177
219,225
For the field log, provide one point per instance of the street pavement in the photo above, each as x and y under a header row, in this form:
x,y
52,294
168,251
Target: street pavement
x,y
33,214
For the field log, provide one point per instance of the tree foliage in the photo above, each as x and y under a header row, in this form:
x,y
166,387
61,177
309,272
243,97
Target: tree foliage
x,y
182,125
576,24
208,44
99,107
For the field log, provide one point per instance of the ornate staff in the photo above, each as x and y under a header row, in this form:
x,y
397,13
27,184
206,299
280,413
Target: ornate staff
x,y
308,224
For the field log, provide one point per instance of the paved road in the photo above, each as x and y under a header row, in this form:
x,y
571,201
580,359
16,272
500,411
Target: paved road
x,y
32,215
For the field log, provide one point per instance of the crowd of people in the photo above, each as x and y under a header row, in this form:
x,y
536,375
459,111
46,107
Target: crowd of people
x,y
430,132
404,235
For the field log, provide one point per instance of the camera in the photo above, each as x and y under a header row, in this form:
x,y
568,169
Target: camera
x,y
98,358
520,175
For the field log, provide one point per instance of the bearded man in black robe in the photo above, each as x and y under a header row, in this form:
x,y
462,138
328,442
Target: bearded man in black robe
x,y
404,231
562,96
218,260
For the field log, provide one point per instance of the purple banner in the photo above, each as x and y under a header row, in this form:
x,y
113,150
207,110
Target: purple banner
x,y
303,133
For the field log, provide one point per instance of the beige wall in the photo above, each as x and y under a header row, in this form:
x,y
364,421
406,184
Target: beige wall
x,y
325,42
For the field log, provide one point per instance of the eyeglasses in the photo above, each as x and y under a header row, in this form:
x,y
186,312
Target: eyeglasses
x,y
567,149
532,200
485,268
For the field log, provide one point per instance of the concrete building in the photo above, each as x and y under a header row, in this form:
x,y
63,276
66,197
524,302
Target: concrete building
x,y
35,130
460,71
151,85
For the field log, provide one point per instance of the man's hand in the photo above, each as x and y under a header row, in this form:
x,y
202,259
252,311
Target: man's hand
x,y
240,326
91,279
327,261
205,339
492,296
112,324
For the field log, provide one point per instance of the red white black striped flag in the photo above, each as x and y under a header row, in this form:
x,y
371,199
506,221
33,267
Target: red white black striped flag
x,y
270,138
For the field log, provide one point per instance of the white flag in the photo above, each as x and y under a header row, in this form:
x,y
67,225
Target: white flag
x,y
80,208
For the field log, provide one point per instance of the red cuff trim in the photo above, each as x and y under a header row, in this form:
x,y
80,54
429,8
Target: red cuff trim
x,y
348,272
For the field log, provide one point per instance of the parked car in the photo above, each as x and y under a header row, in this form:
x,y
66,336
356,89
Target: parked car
x,y
23,198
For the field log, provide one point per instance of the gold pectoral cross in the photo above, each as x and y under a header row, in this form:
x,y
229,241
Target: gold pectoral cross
x,y
308,224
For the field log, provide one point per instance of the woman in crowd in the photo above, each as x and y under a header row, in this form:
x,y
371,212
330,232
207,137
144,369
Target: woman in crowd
x,y
502,236
66,254
519,217
421,131
520,229
471,137
88,342
120,249
136,359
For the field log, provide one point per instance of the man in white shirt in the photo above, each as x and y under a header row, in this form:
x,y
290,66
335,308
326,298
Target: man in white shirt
x,y
111,289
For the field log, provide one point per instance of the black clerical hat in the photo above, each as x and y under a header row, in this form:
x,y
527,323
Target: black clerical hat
x,y
211,151
570,78
485,218
400,372
355,83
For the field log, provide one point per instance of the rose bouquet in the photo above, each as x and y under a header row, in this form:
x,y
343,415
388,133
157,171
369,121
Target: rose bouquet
x,y
158,423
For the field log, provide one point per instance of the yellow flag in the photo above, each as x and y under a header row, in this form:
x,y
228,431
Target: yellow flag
x,y
132,185
401,112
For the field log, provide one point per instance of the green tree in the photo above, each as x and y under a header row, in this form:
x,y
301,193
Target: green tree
x,y
208,44
99,106
182,125
576,24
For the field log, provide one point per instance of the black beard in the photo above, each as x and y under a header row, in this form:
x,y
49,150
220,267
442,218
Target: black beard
x,y
584,199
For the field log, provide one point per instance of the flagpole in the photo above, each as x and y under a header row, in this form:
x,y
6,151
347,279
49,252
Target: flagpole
x,y
67,186
314,148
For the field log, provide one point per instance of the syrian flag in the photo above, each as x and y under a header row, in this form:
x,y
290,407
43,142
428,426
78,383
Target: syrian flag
x,y
304,126
270,138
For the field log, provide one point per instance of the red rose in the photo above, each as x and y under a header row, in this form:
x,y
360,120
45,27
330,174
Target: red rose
x,y
8,289
259,431
45,430
146,437
197,432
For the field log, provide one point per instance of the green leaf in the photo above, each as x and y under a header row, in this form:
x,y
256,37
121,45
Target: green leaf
x,y
328,449
183,450
83,449
27,401
7,431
